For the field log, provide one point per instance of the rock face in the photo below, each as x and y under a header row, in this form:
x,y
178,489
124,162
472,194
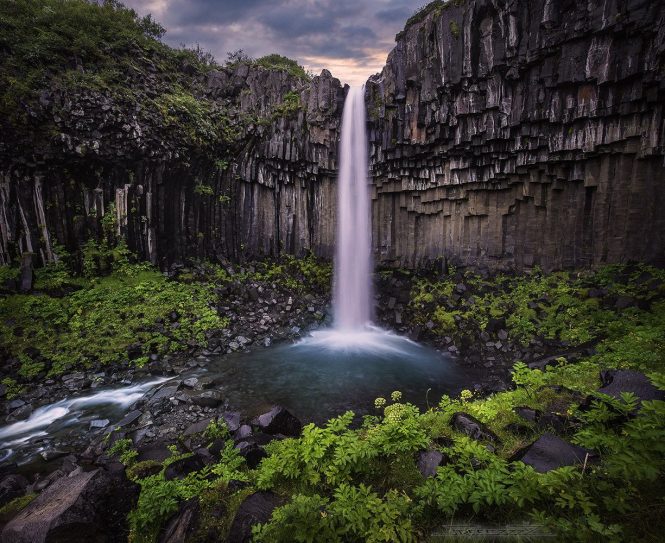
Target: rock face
x,y
87,507
504,133
274,195
521,132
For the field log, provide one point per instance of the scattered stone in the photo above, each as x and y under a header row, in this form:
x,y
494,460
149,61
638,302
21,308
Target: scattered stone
x,y
550,452
279,421
209,398
243,432
255,509
191,382
428,461
12,486
129,418
183,467
232,420
463,422
197,427
617,381
528,414
181,526
252,452
99,423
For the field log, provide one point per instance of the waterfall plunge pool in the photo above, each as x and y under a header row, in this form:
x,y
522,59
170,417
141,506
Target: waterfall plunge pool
x,y
322,376
330,372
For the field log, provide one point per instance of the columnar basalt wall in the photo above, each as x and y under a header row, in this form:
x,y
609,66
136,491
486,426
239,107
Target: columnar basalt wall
x,y
513,133
274,193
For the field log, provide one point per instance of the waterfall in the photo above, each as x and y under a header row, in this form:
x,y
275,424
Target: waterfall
x,y
353,283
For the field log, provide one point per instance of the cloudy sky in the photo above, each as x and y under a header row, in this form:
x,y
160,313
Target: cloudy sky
x,y
351,38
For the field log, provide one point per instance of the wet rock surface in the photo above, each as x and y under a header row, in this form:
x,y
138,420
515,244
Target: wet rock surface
x,y
463,422
550,452
84,507
616,382
255,509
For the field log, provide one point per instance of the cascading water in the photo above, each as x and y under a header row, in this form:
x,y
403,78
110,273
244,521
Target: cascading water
x,y
353,291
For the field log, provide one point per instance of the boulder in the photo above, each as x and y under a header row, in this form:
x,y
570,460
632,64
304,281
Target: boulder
x,y
197,427
428,461
183,467
550,452
617,381
87,507
209,398
232,420
463,422
255,509
183,524
279,421
252,452
12,486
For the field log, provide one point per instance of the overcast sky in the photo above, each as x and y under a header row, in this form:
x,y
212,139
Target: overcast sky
x,y
351,38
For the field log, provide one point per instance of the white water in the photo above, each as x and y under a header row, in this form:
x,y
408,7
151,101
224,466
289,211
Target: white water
x,y
70,412
353,291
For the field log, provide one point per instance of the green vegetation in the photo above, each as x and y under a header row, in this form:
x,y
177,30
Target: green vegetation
x,y
551,307
454,29
344,482
10,509
434,8
279,62
290,104
105,319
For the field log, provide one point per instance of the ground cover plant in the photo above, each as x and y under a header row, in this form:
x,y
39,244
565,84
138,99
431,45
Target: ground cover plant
x,y
342,481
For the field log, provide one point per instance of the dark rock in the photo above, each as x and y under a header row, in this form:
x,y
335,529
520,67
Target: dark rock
x,y
255,509
624,302
528,414
205,455
243,432
26,272
232,420
21,413
553,421
99,423
550,452
129,418
463,422
209,398
279,421
494,325
617,381
197,427
87,507
216,447
181,526
12,486
428,461
183,467
165,392
252,452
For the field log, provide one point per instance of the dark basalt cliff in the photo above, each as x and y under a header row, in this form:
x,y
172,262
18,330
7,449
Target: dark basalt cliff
x,y
506,133
268,194
522,132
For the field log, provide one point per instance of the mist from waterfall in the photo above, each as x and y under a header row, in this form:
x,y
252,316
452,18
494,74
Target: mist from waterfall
x,y
353,282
